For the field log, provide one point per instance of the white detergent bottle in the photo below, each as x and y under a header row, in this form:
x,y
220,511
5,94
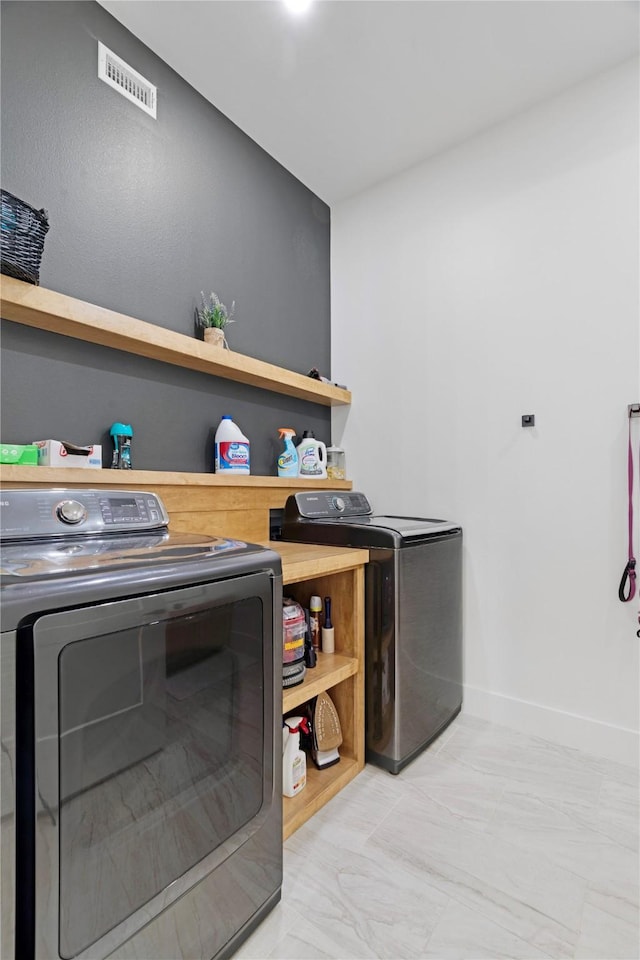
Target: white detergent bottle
x,y
312,457
231,448
294,760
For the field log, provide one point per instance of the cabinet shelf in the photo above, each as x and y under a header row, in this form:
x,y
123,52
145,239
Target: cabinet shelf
x,y
337,572
331,669
321,786
58,313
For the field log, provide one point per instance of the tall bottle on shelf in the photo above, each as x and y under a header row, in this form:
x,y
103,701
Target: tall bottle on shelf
x,y
312,457
232,455
294,760
315,610
328,636
288,459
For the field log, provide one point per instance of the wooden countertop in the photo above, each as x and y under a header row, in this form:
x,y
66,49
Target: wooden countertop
x,y
303,561
62,476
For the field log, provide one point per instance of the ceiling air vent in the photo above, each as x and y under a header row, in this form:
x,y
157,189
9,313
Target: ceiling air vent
x,y
126,80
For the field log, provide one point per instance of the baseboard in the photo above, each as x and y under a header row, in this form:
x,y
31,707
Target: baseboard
x,y
569,729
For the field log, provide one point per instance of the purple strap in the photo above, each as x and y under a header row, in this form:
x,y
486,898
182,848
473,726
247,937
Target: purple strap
x,y
626,593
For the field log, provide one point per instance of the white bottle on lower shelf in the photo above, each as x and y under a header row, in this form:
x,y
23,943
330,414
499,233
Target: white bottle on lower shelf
x,y
294,760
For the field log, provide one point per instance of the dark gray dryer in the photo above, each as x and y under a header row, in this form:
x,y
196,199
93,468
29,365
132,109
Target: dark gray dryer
x,y
141,715
413,639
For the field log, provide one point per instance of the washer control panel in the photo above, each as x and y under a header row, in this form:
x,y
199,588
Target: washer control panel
x,y
327,505
33,514
132,510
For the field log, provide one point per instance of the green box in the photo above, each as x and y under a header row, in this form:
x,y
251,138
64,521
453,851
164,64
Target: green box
x,y
20,453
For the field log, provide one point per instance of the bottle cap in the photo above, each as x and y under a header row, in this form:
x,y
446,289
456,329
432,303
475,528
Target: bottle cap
x,y
315,603
296,724
308,434
121,430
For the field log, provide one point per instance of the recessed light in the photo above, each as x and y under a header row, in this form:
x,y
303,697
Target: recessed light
x,y
297,6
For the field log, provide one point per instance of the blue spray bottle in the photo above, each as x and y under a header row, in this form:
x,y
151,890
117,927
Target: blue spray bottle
x,y
288,459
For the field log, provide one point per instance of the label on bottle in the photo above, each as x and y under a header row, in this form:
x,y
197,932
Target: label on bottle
x,y
309,465
293,650
298,774
231,455
286,460
314,629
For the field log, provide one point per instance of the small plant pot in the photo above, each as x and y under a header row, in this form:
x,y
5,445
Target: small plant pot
x,y
214,335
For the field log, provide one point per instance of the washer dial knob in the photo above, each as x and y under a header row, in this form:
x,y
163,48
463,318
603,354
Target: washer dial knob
x,y
71,511
339,503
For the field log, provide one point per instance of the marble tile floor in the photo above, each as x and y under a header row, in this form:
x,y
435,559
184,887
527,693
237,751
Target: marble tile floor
x,y
491,844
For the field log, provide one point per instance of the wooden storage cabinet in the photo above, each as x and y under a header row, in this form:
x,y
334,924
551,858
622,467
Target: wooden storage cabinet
x,y
340,673
206,504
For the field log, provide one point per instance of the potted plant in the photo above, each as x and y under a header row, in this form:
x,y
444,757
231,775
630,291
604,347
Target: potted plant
x,y
213,317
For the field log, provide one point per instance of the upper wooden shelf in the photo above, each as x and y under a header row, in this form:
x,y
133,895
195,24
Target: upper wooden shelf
x,y
37,307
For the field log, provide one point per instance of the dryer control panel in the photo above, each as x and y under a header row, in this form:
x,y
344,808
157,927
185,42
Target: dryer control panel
x,y
326,505
34,514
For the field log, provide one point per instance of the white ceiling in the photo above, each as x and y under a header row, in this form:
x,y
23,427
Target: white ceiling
x,y
358,90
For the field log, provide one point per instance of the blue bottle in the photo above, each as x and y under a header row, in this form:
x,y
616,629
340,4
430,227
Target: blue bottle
x,y
121,434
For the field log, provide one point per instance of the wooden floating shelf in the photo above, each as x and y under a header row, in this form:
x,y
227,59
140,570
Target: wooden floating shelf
x,y
37,307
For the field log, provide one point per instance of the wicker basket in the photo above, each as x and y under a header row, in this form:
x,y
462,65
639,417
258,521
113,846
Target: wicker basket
x,y
21,238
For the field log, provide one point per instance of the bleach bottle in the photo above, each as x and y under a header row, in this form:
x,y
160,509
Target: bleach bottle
x,y
231,448
288,459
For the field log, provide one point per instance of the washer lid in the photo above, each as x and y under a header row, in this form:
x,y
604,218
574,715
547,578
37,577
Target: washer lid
x,y
406,527
38,559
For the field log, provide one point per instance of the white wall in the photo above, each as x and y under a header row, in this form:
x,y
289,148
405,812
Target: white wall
x,y
498,279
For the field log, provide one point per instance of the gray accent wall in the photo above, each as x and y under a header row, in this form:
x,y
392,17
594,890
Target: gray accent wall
x,y
144,214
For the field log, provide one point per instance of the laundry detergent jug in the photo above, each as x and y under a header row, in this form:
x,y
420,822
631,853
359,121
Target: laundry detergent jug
x,y
312,457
